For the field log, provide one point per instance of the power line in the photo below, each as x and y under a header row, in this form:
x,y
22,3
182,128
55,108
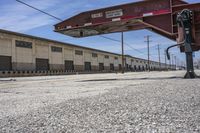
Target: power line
x,y
109,38
127,44
124,43
39,10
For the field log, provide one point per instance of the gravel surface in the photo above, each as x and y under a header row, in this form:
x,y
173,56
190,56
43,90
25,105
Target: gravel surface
x,y
133,102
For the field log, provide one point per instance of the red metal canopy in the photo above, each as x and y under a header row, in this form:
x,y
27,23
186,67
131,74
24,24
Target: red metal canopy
x,y
156,15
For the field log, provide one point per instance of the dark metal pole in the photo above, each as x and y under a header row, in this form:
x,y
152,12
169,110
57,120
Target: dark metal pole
x,y
190,68
123,63
175,62
159,57
148,51
165,60
172,61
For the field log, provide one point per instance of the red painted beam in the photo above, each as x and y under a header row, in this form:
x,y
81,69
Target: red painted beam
x,y
194,7
156,15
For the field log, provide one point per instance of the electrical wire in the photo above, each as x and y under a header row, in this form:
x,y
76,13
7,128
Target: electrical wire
x,y
39,10
125,44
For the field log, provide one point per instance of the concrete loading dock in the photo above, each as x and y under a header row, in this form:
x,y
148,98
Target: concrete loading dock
x,y
28,55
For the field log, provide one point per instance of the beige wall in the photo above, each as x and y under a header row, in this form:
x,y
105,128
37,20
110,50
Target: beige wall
x,y
42,51
112,59
101,58
116,62
56,57
78,60
95,61
5,47
128,60
69,53
87,56
106,62
25,57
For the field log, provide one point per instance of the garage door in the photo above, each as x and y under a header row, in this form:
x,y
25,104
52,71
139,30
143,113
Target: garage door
x,y
5,63
87,66
69,65
112,67
120,67
101,66
42,64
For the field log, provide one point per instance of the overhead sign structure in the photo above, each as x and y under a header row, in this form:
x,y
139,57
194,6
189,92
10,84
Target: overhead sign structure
x,y
174,19
156,15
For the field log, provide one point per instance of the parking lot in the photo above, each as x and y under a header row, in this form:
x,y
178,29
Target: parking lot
x,y
133,102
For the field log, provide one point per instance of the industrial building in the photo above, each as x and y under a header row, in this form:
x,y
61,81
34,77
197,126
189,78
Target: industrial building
x,y
22,54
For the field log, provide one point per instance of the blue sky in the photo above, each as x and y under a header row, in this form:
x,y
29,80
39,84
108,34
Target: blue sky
x,y
17,17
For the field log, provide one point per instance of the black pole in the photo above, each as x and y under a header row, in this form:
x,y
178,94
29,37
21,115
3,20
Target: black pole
x,y
190,68
159,57
122,39
175,62
165,61
148,51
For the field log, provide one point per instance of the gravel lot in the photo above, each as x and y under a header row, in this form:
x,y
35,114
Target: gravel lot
x,y
134,102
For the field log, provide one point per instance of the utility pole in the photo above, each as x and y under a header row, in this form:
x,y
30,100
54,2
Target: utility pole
x,y
165,60
148,50
122,39
175,62
170,64
172,61
159,56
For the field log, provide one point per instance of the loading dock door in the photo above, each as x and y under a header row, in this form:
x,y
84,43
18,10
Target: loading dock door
x,y
120,67
87,66
135,68
69,65
112,67
101,66
127,68
5,63
42,64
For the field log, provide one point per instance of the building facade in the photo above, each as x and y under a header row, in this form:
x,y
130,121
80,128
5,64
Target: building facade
x,y
25,53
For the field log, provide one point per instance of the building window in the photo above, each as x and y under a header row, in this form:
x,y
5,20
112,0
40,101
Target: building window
x,y
23,44
56,49
116,58
94,55
106,56
78,52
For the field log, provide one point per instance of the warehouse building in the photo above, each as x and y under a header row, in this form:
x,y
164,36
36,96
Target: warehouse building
x,y
30,55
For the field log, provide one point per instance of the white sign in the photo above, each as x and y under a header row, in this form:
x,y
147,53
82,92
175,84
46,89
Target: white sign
x,y
147,14
116,19
114,13
97,15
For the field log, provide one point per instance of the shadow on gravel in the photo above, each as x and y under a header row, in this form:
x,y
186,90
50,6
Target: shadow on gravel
x,y
157,78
